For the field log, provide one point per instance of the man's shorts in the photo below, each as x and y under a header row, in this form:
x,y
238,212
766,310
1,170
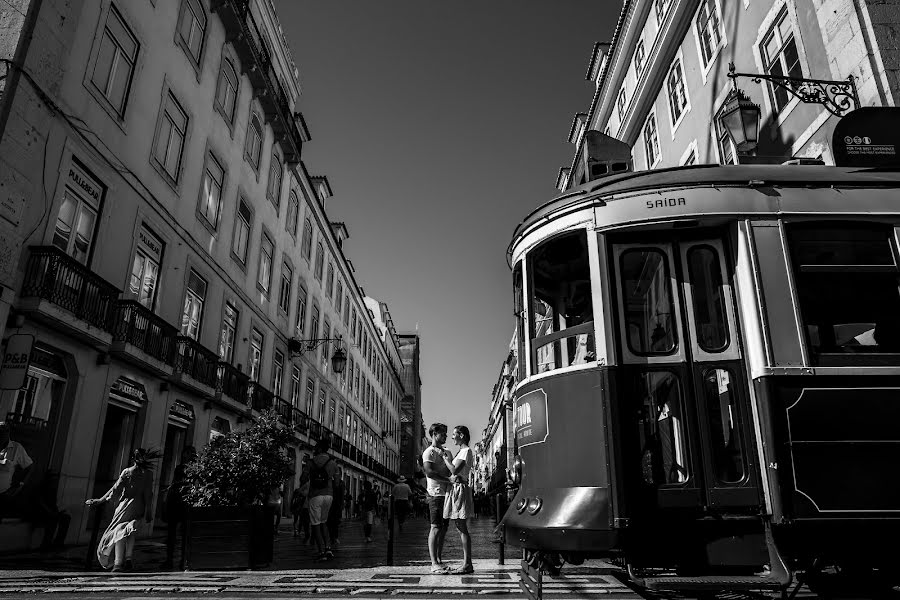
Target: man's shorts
x,y
318,509
436,510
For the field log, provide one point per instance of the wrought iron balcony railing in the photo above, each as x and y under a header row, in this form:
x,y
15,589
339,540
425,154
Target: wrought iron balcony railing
x,y
231,382
193,359
136,325
259,398
284,409
53,275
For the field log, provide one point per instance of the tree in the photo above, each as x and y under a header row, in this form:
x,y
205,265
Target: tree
x,y
241,467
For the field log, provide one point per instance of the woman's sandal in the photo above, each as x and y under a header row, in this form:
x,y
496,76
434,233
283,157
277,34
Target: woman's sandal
x,y
440,570
464,570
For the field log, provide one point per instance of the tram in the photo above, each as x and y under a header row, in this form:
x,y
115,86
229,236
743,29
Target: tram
x,y
709,380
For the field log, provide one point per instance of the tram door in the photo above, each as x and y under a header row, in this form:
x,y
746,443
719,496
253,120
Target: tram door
x,y
685,396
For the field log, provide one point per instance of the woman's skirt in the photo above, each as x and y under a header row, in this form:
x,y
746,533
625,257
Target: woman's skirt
x,y
459,504
124,523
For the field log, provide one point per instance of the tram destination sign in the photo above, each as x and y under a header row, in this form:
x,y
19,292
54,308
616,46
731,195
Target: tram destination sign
x,y
530,418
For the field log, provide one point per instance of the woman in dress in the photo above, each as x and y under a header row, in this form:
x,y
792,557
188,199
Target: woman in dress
x,y
459,504
133,491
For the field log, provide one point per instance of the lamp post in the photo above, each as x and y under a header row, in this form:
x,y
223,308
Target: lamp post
x,y
297,347
740,117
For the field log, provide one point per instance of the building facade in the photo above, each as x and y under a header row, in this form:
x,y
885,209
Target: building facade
x,y
163,242
411,437
497,446
661,83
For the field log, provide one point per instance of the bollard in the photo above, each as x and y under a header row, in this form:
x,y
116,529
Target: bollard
x,y
390,552
502,543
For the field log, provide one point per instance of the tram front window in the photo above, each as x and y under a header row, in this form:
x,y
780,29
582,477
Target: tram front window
x,y
649,311
852,265
562,316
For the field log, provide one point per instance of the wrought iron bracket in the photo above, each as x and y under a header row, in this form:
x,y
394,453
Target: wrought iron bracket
x,y
838,97
298,346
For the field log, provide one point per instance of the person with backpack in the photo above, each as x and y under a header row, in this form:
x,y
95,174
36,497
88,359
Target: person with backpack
x,y
322,475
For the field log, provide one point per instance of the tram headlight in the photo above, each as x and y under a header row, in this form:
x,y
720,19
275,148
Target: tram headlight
x,y
516,471
534,505
521,504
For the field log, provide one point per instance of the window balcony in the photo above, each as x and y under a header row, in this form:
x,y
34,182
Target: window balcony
x,y
231,382
196,362
259,398
285,410
300,421
58,287
141,336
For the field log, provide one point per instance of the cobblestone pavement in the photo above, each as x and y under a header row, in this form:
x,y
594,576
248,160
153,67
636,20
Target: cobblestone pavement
x,y
358,570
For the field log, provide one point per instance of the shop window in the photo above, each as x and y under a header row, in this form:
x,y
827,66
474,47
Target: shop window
x,y
562,312
853,265
77,218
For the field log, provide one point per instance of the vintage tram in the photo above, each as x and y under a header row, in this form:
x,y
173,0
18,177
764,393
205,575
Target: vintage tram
x,y
709,380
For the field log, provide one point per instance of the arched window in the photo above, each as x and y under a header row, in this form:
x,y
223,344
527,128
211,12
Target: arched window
x,y
293,214
306,245
254,142
226,90
320,261
273,190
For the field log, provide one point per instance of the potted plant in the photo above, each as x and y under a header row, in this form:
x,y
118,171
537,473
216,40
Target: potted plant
x,y
228,522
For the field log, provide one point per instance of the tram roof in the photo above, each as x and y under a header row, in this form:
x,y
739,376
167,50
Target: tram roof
x,y
708,175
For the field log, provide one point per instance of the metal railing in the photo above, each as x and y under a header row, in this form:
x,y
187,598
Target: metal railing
x,y
134,324
231,382
53,275
193,359
284,409
299,421
258,397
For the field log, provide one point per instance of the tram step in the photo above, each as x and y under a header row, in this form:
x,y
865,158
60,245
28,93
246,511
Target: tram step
x,y
718,582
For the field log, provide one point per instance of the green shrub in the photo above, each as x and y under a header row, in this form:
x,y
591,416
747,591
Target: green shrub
x,y
241,467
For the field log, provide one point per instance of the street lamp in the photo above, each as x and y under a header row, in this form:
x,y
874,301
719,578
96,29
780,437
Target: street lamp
x,y
297,347
740,117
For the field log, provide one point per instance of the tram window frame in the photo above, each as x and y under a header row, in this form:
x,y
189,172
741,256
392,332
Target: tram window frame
x,y
869,268
673,309
519,311
577,352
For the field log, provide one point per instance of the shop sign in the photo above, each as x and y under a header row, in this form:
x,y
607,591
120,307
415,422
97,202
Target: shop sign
x,y
182,410
16,360
866,138
530,418
129,389
84,182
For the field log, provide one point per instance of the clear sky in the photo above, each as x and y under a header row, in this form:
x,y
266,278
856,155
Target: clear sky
x,y
440,125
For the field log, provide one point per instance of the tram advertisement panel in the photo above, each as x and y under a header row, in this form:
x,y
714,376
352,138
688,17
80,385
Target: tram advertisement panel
x,y
531,418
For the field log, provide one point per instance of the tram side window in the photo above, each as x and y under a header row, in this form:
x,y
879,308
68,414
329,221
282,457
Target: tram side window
x,y
562,330
724,425
664,453
519,310
853,266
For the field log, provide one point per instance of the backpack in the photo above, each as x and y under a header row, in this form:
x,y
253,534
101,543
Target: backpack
x,y
318,476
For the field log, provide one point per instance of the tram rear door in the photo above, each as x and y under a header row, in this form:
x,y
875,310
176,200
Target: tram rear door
x,y
684,409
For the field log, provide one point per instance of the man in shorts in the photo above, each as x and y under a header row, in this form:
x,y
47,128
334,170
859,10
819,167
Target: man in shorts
x,y
437,485
322,477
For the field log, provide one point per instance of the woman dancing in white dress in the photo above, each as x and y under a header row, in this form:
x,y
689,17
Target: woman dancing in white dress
x,y
459,504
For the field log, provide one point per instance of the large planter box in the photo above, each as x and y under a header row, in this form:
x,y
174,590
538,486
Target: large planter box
x,y
229,538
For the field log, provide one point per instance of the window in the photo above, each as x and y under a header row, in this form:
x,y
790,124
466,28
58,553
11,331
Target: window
x,y
170,137
651,141
708,292
853,265
314,324
709,35
295,387
301,309
347,310
194,297
192,28
293,214
229,330
115,61
677,92
77,217
226,90
266,251
639,58
562,312
273,189
662,7
691,158
253,147
256,349
723,416
145,268
780,57
338,298
647,302
277,372
306,244
724,143
329,281
242,228
320,260
326,333
662,428
310,395
211,190
620,104
284,294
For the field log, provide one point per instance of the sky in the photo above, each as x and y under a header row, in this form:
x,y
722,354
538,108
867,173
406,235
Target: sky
x,y
439,126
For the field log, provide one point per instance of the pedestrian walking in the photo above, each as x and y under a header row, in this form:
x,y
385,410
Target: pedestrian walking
x,y
276,495
401,501
322,477
132,490
438,483
459,506
300,505
334,513
368,504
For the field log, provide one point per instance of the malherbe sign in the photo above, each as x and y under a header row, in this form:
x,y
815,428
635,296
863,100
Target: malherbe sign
x,y
531,418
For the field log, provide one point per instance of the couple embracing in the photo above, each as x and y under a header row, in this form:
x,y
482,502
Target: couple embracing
x,y
449,494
